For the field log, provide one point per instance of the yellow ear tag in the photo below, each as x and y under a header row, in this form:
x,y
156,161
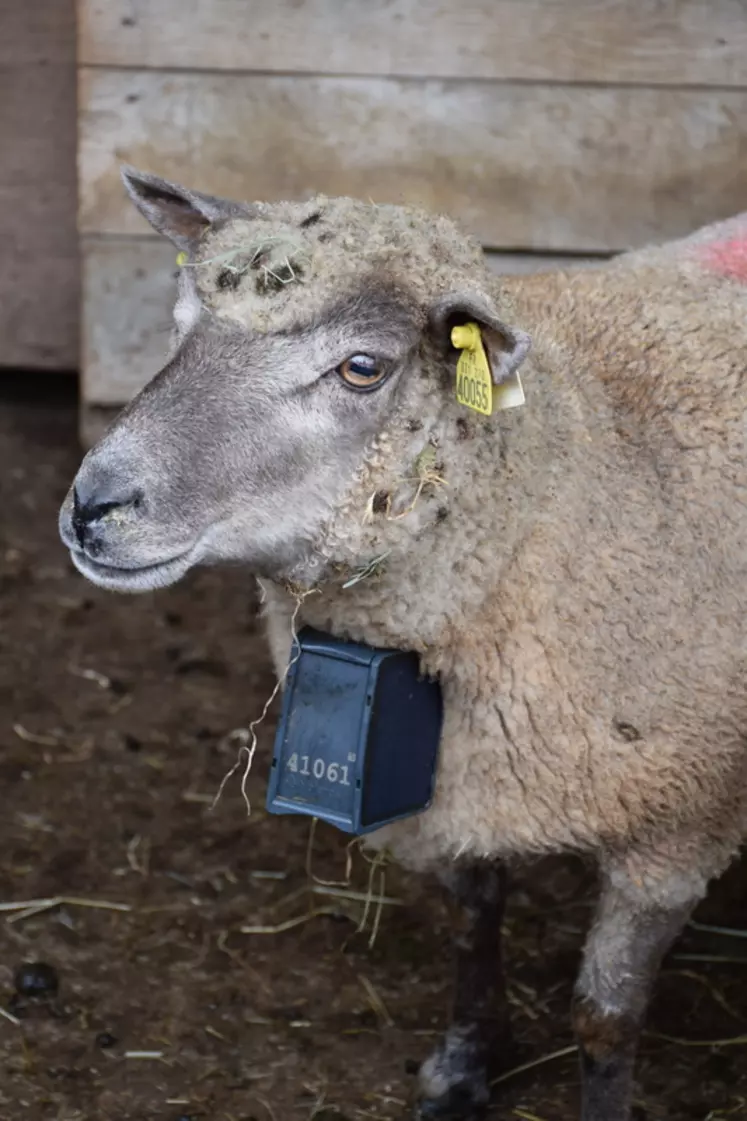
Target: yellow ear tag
x,y
474,387
474,383
181,259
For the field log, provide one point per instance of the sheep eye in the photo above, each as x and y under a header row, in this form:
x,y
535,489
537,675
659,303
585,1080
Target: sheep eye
x,y
361,371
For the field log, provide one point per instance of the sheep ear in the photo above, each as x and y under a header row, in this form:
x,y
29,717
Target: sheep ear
x,y
181,215
506,347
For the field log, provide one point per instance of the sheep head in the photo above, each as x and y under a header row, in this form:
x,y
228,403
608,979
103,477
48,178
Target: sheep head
x,y
296,424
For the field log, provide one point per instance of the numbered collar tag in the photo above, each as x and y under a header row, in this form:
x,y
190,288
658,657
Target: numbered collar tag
x,y
474,381
358,737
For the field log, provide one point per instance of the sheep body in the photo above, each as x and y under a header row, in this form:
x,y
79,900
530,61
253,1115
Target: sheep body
x,y
585,604
574,570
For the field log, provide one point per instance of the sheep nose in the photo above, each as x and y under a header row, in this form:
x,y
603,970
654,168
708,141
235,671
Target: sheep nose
x,y
91,504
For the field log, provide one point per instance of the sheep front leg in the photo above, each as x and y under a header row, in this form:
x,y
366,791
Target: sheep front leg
x,y
455,1080
629,938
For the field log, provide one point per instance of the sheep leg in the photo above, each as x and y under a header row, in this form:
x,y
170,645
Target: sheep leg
x,y
629,938
455,1080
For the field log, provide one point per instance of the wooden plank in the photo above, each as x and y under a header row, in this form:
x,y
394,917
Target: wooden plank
x,y
129,290
521,264
687,42
41,33
128,293
93,421
39,260
559,168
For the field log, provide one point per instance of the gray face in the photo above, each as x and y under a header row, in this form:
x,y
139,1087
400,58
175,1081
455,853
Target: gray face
x,y
305,337
238,449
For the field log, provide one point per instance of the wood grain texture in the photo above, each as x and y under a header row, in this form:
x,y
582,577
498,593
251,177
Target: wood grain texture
x,y
685,42
39,258
39,33
523,167
129,289
93,422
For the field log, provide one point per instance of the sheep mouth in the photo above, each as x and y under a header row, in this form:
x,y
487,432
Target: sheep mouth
x,y
144,578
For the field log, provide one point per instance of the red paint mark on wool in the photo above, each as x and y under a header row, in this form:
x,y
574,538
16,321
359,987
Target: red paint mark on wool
x,y
727,258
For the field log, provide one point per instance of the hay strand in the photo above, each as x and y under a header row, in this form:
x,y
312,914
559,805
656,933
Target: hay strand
x,y
730,1041
25,910
726,931
289,924
374,567
374,999
247,737
561,1054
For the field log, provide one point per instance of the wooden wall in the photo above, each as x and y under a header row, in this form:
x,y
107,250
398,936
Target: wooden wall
x,y
39,297
548,127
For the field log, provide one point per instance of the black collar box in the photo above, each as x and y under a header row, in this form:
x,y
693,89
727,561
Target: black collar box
x,y
357,742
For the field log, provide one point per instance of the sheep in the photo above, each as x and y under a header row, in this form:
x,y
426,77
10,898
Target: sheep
x,y
574,570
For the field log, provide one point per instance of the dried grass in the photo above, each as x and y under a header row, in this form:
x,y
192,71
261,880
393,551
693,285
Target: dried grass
x,y
374,567
730,1041
247,737
275,257
726,931
30,907
716,994
426,474
563,1053
376,1002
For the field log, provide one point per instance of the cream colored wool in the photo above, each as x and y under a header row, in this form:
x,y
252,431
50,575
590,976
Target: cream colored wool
x,y
585,600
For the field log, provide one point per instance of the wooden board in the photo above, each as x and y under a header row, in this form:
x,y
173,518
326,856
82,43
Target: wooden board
x,y
41,33
685,42
523,167
129,289
128,293
39,259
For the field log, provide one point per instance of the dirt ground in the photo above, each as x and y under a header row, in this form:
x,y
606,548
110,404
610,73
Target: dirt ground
x,y
115,730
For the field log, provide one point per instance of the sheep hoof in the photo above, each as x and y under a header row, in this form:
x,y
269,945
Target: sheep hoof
x,y
461,1102
454,1080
